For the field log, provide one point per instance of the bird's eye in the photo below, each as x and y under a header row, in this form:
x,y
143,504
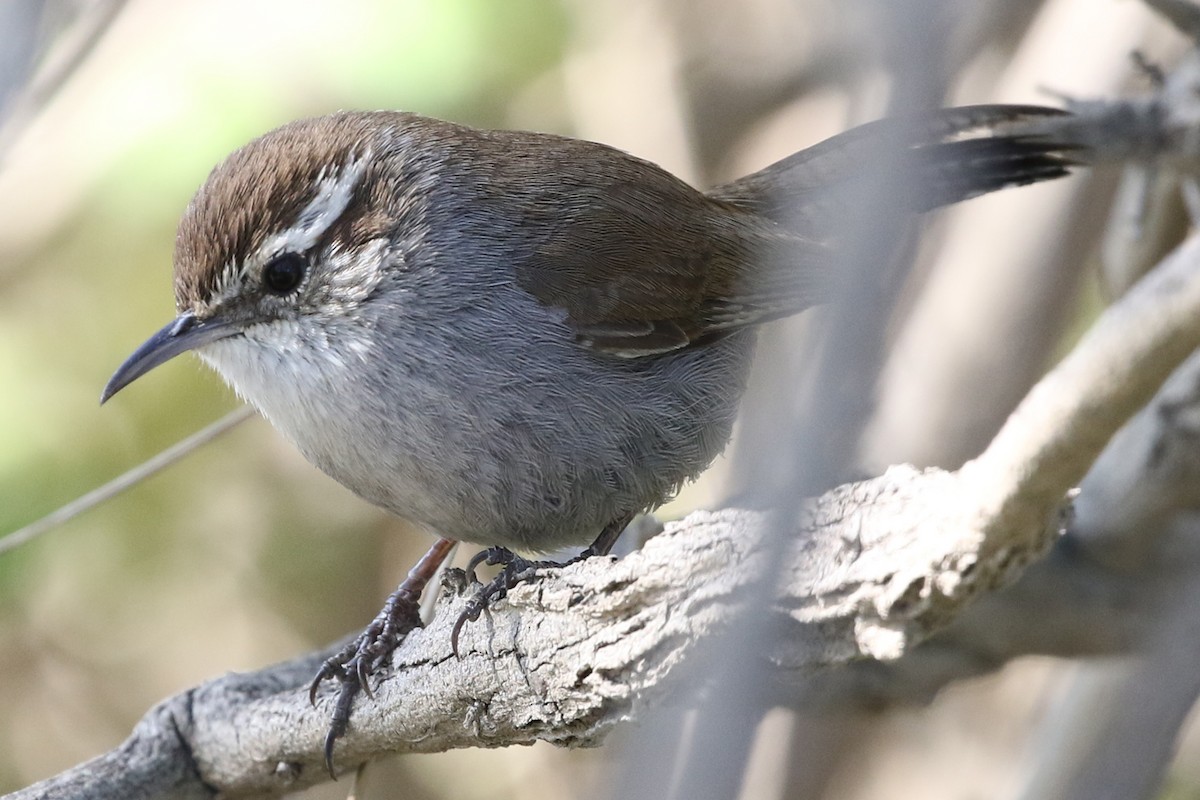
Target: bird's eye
x,y
283,273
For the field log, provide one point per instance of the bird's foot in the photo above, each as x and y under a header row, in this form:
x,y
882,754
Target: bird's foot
x,y
514,570
354,665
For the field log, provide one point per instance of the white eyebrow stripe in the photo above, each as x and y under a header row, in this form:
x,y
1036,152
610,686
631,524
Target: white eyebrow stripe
x,y
333,196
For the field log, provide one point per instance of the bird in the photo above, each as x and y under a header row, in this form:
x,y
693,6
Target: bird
x,y
519,339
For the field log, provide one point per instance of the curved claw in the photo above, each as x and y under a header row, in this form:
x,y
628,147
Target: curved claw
x,y
515,570
339,722
332,668
363,675
457,629
492,556
471,613
354,664
475,561
331,738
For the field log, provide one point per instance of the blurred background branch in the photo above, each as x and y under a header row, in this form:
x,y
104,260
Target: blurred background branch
x,y
45,43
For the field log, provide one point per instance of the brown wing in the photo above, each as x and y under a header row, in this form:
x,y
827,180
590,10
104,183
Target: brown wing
x,y
643,263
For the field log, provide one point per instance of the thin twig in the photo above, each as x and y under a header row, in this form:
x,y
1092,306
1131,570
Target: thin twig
x,y
71,50
125,481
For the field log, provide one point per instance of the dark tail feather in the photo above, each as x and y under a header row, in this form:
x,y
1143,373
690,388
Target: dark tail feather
x,y
922,163
951,172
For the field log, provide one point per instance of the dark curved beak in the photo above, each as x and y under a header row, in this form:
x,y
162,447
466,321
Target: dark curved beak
x,y
185,332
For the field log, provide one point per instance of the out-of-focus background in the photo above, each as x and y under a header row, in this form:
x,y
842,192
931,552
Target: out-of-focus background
x,y
244,554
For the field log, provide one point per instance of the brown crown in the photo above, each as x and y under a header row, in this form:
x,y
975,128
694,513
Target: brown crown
x,y
260,190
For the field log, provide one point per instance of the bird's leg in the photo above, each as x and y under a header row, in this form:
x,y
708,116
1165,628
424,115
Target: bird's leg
x,y
355,663
607,538
516,570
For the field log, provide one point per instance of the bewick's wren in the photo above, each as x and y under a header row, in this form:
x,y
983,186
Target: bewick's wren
x,y
513,338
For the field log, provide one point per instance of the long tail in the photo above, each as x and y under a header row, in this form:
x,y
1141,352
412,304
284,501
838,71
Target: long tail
x,y
924,162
